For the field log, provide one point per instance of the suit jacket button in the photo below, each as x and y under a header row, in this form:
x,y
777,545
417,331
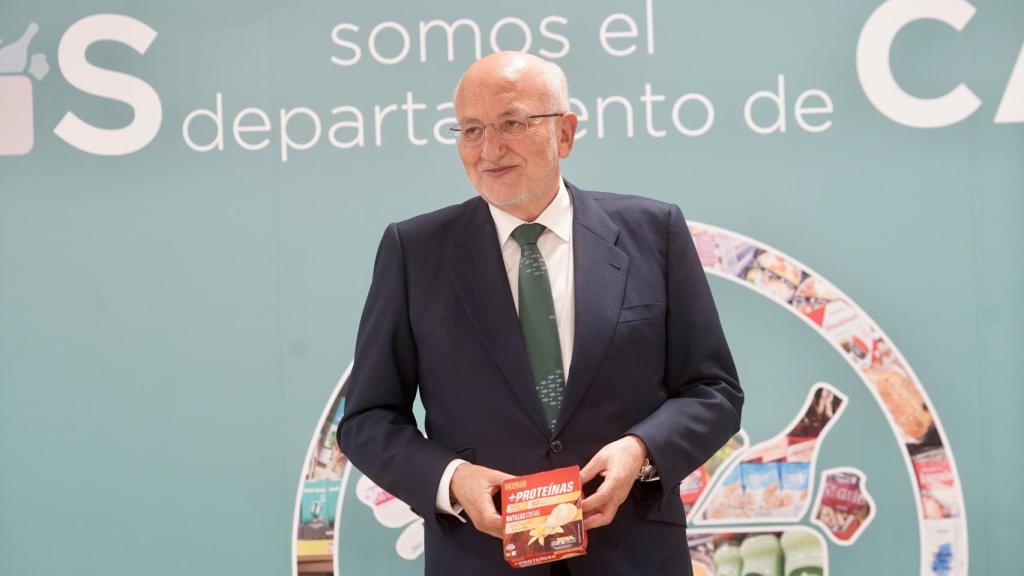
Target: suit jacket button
x,y
556,446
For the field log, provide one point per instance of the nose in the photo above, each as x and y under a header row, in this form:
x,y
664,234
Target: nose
x,y
491,147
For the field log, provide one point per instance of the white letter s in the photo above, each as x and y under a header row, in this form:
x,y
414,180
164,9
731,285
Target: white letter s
x,y
145,102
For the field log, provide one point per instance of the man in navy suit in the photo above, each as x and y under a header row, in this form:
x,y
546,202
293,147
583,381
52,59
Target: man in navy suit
x,y
543,326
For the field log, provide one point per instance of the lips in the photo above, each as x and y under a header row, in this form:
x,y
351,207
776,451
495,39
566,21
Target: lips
x,y
498,170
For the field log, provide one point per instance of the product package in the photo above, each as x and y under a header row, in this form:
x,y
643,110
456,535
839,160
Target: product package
x,y
844,509
937,483
542,517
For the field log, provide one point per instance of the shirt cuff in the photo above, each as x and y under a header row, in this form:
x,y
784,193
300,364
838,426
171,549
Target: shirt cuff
x,y
443,502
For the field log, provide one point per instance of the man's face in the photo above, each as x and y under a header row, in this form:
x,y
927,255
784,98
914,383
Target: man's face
x,y
518,175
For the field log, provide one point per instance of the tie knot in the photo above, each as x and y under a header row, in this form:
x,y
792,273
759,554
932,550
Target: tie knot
x,y
527,233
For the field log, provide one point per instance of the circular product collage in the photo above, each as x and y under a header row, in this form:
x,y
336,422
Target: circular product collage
x,y
760,507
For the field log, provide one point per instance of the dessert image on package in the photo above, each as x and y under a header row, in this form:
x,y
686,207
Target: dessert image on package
x,y
560,515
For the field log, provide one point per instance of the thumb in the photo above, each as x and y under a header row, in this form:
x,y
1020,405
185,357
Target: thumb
x,y
496,477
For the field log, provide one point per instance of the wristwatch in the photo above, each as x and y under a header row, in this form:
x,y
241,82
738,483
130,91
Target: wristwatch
x,y
648,473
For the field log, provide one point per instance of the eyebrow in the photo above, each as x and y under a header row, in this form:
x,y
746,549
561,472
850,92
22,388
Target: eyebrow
x,y
507,112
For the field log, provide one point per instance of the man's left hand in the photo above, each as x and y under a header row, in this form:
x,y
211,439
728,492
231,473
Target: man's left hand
x,y
619,463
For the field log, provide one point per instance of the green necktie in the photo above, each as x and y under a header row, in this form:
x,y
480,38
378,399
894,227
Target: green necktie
x,y
538,323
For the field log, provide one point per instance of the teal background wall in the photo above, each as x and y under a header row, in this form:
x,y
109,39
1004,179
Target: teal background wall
x,y
172,322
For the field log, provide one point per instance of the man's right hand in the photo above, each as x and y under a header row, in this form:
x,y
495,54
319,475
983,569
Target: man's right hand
x,y
474,487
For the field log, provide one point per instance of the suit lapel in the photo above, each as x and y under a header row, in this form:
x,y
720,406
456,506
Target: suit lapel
x,y
600,271
478,273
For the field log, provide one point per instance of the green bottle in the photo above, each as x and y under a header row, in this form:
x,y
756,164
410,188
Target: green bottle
x,y
727,560
804,555
762,556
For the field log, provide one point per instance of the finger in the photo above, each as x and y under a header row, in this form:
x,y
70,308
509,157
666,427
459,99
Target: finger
x,y
496,477
597,499
591,470
596,520
488,506
483,520
492,524
618,486
502,476
593,522
609,511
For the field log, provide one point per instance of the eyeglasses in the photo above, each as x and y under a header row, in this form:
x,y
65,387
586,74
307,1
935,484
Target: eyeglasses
x,y
507,128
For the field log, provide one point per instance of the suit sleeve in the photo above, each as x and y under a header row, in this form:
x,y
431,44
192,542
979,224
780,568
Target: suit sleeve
x,y
704,396
378,431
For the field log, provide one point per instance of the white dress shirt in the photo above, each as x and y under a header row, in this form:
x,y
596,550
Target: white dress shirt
x,y
555,245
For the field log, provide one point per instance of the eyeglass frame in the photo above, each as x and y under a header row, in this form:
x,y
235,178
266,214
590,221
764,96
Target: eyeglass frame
x,y
461,134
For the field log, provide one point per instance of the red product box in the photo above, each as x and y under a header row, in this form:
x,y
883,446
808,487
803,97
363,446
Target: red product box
x,y
693,486
843,506
542,517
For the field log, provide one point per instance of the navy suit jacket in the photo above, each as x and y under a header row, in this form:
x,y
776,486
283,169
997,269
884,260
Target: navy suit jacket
x,y
649,358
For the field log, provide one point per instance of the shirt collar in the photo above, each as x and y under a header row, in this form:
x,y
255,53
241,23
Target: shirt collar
x,y
557,217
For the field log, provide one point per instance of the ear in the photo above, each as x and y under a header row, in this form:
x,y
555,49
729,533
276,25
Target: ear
x,y
566,134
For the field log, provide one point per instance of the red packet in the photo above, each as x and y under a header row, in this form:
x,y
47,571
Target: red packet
x,y
542,517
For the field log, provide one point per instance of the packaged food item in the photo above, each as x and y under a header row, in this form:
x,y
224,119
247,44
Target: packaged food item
x,y
542,517
694,485
801,449
761,487
734,256
796,483
813,297
775,275
844,508
904,402
727,500
849,328
803,552
825,403
762,555
936,483
944,547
